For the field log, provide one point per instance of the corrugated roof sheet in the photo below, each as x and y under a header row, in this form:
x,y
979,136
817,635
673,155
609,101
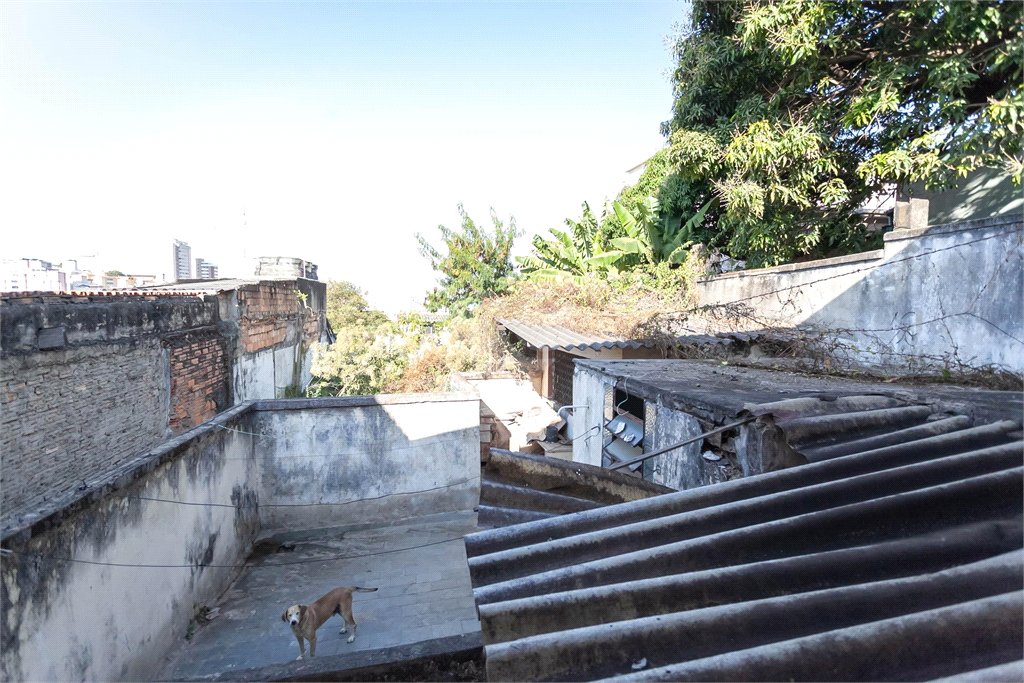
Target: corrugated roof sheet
x,y
564,339
520,487
895,554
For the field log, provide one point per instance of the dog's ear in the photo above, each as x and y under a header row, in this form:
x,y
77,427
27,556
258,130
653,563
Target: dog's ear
x,y
302,612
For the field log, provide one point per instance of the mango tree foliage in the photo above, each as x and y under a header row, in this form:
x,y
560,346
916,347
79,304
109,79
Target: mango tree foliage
x,y
795,111
477,265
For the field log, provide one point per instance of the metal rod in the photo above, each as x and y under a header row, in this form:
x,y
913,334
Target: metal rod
x,y
647,456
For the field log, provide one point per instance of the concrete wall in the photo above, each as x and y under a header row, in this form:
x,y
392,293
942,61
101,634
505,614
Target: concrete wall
x,y
951,292
683,468
74,621
378,458
589,388
402,455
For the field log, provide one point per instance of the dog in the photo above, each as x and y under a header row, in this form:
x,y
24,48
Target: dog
x,y
306,619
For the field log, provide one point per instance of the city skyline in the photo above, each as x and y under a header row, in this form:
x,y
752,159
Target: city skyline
x,y
332,132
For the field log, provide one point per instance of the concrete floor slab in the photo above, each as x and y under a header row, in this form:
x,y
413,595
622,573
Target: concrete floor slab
x,y
418,567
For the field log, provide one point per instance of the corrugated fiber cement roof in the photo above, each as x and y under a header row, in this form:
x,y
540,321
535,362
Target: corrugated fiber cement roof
x,y
895,556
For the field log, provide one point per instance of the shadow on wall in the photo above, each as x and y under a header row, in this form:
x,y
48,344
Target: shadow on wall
x,y
948,294
952,294
365,458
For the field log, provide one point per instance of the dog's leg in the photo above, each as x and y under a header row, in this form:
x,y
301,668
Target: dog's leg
x,y
302,648
350,622
312,646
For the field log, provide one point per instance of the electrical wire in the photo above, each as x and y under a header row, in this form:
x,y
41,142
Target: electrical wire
x,y
858,270
224,566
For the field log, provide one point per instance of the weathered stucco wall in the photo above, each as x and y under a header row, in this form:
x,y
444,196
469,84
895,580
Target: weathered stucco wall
x,y
278,322
363,458
682,468
589,389
950,292
74,621
201,499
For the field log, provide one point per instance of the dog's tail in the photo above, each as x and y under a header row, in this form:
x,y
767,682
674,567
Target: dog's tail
x,y
357,589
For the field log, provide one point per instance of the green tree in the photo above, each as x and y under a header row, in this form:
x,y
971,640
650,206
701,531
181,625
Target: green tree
x,y
793,112
581,251
477,265
654,236
347,307
114,273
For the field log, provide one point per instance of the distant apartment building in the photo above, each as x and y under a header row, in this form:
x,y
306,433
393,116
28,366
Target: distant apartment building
x,y
31,275
205,270
182,264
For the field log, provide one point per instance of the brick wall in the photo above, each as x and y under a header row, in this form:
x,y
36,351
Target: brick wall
x,y
131,370
562,368
200,379
278,322
67,416
269,300
255,336
72,413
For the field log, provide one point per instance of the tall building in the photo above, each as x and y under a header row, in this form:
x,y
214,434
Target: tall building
x,y
182,265
205,270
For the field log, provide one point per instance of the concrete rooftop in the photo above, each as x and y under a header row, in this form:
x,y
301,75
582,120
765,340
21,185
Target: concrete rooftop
x,y
424,594
719,391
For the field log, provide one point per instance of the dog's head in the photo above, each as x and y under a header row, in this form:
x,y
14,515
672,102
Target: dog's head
x,y
294,615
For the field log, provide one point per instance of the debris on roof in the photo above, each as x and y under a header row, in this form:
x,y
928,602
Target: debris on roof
x,y
895,553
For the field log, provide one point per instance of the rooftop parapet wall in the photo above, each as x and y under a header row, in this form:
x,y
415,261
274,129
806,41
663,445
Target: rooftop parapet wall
x,y
404,455
947,294
189,510
89,380
96,622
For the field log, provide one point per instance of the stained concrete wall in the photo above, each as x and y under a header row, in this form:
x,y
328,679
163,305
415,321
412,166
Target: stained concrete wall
x,y
950,292
589,388
201,499
682,468
67,620
367,458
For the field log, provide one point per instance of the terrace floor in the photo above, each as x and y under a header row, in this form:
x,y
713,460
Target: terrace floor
x,y
419,567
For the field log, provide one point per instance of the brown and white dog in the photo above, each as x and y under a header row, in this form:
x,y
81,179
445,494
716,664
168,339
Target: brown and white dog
x,y
306,619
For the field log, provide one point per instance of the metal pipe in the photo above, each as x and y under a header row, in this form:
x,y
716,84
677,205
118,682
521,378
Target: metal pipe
x,y
647,456
564,408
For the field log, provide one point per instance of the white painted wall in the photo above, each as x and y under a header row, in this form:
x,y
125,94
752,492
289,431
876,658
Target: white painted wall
x,y
267,374
588,388
930,294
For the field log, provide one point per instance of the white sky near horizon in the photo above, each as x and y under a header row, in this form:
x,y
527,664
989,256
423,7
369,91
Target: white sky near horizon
x,y
340,129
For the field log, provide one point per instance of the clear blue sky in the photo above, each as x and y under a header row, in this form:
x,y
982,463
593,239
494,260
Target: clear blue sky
x,y
341,129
